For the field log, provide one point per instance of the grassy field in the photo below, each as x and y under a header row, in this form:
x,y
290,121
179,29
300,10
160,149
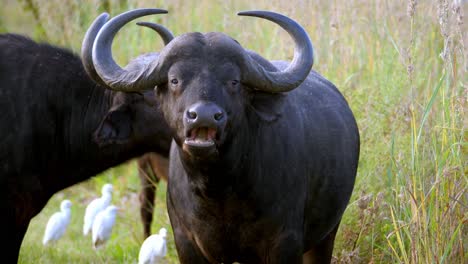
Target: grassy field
x,y
402,65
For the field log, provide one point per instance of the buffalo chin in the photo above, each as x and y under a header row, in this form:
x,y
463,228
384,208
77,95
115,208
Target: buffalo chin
x,y
200,149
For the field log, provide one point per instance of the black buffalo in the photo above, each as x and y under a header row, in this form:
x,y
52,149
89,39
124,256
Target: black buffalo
x,y
265,154
59,127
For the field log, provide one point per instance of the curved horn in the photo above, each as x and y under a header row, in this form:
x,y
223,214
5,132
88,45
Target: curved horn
x,y
298,69
112,74
87,47
163,32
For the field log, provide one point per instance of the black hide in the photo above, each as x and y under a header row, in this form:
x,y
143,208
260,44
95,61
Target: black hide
x,y
59,128
274,182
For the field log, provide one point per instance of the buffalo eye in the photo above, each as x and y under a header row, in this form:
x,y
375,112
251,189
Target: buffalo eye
x,y
233,86
174,81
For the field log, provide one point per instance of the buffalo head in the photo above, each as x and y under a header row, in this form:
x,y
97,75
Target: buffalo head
x,y
127,119
206,83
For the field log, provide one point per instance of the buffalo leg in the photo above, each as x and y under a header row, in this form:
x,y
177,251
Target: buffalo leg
x,y
321,253
148,181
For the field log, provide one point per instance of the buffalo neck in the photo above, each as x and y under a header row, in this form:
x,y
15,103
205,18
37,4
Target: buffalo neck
x,y
80,157
228,172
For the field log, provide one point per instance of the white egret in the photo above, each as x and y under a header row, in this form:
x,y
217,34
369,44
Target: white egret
x,y
58,223
154,248
95,206
102,226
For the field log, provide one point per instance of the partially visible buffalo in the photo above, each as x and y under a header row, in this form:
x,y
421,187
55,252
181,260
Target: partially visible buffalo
x,y
265,154
59,127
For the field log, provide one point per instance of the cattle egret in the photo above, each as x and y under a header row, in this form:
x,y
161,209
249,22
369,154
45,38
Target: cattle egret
x,y
102,226
96,206
57,223
153,248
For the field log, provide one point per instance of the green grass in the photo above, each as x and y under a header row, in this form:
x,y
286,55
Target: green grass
x,y
403,74
126,238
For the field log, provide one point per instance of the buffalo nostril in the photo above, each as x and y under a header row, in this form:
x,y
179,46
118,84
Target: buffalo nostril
x,y
191,114
218,116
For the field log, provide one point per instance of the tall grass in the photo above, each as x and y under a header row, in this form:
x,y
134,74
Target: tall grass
x,y
430,205
402,67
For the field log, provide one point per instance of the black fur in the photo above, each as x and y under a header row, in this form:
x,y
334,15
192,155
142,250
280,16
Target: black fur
x,y
275,184
59,128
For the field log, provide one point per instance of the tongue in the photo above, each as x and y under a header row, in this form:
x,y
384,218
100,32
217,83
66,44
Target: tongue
x,y
211,133
201,137
203,134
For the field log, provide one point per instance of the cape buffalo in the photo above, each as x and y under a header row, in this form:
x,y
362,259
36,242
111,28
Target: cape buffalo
x,y
265,153
61,127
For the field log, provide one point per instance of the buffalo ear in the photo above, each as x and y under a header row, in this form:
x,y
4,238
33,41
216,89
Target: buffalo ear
x,y
267,106
115,127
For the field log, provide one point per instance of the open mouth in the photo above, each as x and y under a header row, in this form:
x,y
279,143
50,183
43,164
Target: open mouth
x,y
201,137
